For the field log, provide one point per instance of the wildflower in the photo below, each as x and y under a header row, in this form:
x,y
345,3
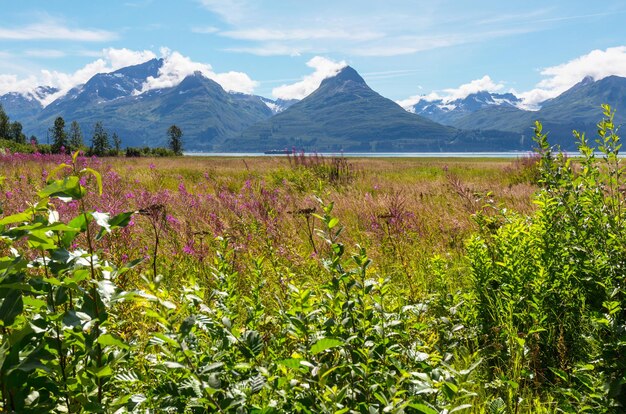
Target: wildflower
x,y
188,249
172,220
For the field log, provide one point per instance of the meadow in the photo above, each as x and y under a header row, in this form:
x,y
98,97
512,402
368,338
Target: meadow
x,y
310,284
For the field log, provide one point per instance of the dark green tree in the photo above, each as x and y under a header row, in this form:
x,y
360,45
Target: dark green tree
x,y
16,133
117,143
76,136
4,124
59,136
175,140
100,140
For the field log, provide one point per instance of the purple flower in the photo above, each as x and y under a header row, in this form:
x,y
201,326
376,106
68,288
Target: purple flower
x,y
188,249
172,220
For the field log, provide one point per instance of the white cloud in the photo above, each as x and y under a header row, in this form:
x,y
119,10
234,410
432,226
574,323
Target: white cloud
x,y
451,94
120,58
45,53
483,84
177,67
270,49
598,64
409,102
55,30
263,34
110,60
324,68
11,83
231,11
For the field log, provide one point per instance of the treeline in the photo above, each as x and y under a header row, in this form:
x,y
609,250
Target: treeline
x,y
67,141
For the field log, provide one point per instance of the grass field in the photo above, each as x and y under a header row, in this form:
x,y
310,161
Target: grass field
x,y
403,211
309,284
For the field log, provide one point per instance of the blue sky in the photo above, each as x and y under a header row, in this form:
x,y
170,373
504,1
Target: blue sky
x,y
403,49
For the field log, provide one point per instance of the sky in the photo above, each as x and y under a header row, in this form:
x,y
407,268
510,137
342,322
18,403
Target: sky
x,y
405,50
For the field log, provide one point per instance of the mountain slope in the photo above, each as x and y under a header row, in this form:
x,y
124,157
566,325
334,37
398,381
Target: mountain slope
x,y
198,105
448,111
22,106
344,114
578,108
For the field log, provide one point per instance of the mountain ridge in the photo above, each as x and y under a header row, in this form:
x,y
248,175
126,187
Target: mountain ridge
x,y
343,113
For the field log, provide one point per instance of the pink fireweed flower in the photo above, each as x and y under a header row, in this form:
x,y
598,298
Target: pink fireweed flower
x,y
173,221
188,249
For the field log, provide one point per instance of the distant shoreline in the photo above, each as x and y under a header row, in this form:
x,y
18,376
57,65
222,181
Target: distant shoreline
x,y
507,154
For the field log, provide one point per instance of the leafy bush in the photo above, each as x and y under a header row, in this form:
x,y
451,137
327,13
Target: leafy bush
x,y
549,288
68,343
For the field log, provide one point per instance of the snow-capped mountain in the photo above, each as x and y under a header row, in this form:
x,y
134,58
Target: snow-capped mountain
x,y
448,111
344,113
22,105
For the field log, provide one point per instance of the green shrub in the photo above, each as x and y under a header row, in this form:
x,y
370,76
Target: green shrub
x,y
548,288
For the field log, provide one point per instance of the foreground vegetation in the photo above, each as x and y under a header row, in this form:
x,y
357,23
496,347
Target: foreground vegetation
x,y
314,285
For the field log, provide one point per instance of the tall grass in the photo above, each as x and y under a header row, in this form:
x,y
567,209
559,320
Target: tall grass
x,y
265,286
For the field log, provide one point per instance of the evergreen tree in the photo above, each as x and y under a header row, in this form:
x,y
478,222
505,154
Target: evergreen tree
x,y
4,124
175,139
16,133
117,143
59,136
100,140
76,136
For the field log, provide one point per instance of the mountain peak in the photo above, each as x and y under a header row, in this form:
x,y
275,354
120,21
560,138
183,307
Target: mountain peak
x,y
142,71
587,80
347,74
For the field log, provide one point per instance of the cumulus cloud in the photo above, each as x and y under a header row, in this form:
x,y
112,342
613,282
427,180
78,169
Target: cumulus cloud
x,y
109,61
597,64
177,67
451,94
324,68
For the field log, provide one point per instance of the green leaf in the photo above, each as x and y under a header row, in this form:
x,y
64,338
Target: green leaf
x,y
17,218
324,344
293,363
460,408
105,371
109,224
68,187
423,409
79,223
96,174
333,222
110,340
253,343
560,374
11,306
